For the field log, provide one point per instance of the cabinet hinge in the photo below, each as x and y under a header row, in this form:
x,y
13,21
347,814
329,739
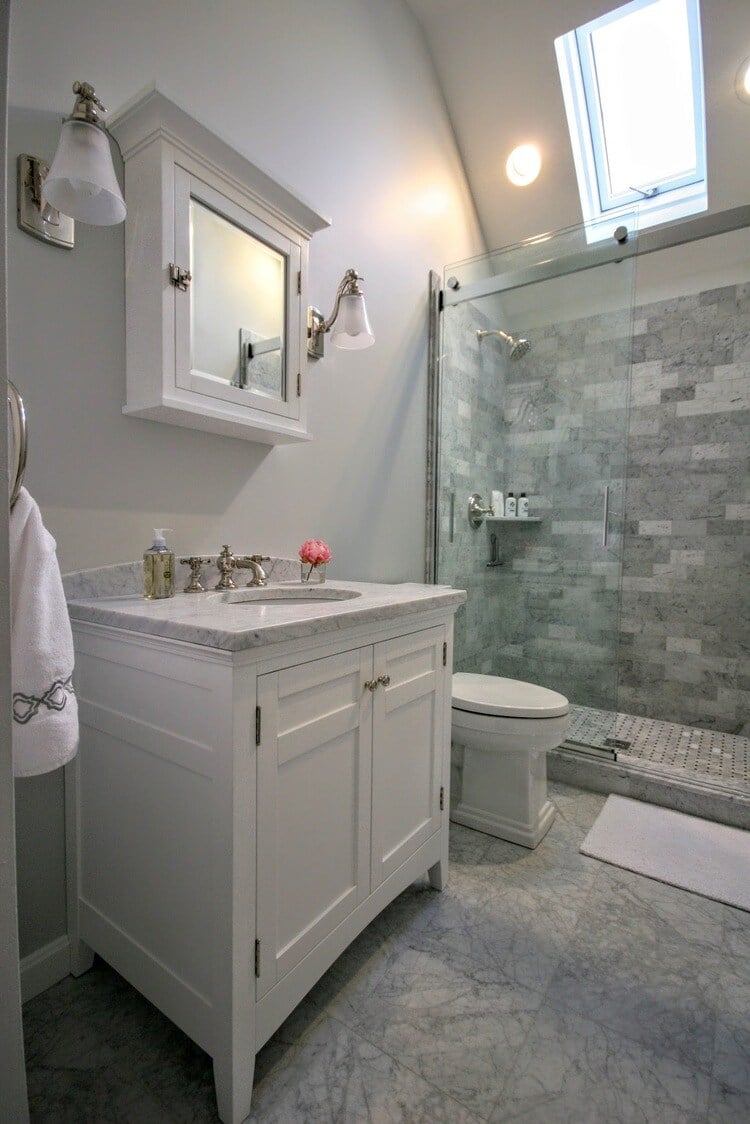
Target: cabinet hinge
x,y
299,281
257,958
257,725
299,384
445,653
442,798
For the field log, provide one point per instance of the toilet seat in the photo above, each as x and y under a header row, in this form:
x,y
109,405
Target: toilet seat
x,y
505,698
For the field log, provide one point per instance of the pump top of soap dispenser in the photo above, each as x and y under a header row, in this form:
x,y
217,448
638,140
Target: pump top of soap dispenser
x,y
160,543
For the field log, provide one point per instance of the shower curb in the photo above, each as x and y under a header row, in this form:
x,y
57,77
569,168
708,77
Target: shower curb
x,y
668,788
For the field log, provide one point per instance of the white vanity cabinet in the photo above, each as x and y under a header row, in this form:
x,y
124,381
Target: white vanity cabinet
x,y
237,818
216,281
349,785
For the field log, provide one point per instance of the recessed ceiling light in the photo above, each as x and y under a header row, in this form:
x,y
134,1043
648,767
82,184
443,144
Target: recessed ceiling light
x,y
742,83
523,165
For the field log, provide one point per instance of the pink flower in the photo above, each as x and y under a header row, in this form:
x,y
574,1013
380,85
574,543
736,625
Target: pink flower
x,y
315,552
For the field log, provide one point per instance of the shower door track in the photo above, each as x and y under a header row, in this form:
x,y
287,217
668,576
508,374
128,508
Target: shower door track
x,y
659,238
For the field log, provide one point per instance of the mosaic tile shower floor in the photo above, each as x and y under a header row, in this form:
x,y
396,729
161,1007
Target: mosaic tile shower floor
x,y
702,754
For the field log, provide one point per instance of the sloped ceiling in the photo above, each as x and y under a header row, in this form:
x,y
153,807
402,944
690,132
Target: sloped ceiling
x,y
495,60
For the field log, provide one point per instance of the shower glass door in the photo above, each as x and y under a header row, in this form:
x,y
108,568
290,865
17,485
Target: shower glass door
x,y
548,420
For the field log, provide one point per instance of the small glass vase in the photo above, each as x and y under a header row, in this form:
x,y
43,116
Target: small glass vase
x,y
313,575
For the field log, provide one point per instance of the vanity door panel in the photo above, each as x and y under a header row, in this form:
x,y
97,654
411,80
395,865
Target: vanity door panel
x,y
408,738
314,784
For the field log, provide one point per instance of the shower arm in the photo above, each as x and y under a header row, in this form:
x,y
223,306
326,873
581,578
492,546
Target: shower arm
x,y
482,332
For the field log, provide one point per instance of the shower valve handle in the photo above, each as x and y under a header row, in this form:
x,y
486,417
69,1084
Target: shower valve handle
x,y
477,512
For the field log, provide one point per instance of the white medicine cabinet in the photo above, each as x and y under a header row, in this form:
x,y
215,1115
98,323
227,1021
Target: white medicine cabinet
x,y
216,281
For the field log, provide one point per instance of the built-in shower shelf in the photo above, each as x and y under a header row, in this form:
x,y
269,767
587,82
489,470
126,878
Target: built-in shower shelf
x,y
512,519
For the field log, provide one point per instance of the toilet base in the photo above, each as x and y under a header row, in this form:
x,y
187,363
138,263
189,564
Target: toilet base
x,y
527,835
503,789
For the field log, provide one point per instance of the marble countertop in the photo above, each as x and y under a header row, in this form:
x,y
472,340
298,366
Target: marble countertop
x,y
212,620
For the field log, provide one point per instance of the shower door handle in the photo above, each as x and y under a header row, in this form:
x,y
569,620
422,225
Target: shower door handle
x,y
605,516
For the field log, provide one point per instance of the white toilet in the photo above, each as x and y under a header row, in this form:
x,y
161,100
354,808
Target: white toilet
x,y
506,728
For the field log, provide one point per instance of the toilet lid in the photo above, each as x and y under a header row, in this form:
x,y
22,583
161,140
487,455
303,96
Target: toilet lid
x,y
511,698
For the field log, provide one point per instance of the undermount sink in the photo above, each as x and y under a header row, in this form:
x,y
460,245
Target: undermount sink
x,y
290,593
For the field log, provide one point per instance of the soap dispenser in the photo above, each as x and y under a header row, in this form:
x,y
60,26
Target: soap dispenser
x,y
158,568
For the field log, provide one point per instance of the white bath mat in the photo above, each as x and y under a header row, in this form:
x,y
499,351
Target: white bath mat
x,y
698,855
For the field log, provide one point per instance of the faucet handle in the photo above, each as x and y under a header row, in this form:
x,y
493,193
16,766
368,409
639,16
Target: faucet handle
x,y
226,563
195,562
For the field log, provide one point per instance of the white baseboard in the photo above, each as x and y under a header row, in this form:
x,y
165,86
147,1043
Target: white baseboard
x,y
45,967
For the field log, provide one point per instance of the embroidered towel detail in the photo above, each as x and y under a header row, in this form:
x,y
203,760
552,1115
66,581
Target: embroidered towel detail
x,y
56,698
45,710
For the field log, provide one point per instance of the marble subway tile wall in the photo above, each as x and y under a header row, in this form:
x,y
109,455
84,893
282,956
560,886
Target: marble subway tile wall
x,y
557,426
565,440
684,630
551,425
471,459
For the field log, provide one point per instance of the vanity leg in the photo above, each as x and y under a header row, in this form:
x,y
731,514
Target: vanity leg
x,y
234,1088
81,958
438,875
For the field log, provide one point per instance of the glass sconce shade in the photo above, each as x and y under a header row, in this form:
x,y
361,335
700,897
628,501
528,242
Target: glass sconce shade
x,y
348,323
742,82
352,329
81,181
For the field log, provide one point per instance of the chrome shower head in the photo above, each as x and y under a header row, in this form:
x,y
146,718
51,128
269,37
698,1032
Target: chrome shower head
x,y
518,348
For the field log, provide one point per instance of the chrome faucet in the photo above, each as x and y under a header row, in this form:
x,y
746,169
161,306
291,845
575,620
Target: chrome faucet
x,y
253,562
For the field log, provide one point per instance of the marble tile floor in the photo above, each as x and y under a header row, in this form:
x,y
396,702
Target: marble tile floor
x,y
540,986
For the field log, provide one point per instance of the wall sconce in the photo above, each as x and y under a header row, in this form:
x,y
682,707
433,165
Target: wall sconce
x,y
79,184
353,330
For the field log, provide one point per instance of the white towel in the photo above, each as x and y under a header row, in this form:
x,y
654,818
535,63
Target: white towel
x,y
45,711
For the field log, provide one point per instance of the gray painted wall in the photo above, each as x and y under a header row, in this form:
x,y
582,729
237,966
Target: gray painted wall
x,y
317,95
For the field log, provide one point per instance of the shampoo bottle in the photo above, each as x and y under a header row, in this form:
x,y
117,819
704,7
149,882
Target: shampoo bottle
x,y
523,506
510,505
158,568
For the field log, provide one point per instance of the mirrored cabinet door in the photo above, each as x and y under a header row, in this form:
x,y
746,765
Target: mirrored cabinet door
x,y
235,339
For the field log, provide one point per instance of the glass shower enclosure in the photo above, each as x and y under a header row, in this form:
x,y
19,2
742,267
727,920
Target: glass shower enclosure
x,y
531,396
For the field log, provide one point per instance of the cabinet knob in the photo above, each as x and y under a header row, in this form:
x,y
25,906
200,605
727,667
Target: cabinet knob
x,y
384,679
371,684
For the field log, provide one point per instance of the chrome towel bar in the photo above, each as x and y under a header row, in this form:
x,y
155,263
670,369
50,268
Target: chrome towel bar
x,y
18,434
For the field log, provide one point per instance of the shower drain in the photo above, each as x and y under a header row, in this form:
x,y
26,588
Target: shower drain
x,y
700,753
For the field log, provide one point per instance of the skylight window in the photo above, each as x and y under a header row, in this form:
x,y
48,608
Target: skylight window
x,y
633,87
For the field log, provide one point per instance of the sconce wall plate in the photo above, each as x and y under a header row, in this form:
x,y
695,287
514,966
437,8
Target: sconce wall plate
x,y
315,333
57,229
